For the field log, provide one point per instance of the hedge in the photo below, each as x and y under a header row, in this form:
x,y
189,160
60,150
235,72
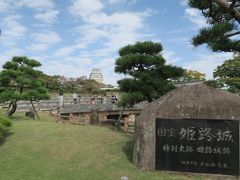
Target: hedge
x,y
4,124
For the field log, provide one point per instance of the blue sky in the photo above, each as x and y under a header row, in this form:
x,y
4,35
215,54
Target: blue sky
x,y
71,37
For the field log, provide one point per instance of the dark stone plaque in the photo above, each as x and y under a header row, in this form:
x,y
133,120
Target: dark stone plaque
x,y
201,146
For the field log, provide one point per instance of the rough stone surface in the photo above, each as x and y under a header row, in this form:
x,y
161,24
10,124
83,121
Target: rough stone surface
x,y
196,102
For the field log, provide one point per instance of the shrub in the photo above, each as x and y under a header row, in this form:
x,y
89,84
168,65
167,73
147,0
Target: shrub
x,y
4,123
2,132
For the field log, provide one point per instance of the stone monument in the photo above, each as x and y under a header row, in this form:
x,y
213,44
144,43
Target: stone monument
x,y
187,102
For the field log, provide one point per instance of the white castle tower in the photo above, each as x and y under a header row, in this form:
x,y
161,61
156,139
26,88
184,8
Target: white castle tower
x,y
96,75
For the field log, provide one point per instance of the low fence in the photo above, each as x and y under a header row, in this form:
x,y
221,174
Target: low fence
x,y
54,104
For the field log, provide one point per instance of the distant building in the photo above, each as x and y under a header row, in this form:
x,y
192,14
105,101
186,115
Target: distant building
x,y
71,79
96,75
108,87
83,78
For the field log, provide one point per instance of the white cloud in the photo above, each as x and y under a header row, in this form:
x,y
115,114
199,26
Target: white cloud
x,y
78,61
93,33
131,2
40,58
118,29
38,47
66,51
195,17
4,6
44,40
14,52
67,69
40,4
105,63
110,77
170,56
115,1
85,7
181,41
12,29
49,16
115,30
49,37
45,9
208,63
127,21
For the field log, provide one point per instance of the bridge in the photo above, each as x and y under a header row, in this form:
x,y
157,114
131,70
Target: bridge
x,y
85,112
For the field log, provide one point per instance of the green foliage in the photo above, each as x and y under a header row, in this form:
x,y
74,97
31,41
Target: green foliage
x,y
216,38
147,47
192,75
70,86
131,98
50,82
223,30
4,123
214,83
20,81
2,132
89,87
229,74
149,76
80,86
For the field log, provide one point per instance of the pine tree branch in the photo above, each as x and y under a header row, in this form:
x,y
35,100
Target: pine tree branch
x,y
232,5
211,11
231,34
234,12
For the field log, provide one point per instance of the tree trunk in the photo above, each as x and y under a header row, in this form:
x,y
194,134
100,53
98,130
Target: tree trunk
x,y
34,109
120,117
11,108
94,120
226,6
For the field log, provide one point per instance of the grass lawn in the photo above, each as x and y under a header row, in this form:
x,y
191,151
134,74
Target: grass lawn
x,y
44,149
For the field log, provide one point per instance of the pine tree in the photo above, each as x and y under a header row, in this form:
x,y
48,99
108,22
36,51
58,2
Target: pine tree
x,y
148,75
223,17
20,81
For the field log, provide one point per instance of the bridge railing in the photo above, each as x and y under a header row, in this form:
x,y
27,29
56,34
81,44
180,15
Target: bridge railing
x,y
54,104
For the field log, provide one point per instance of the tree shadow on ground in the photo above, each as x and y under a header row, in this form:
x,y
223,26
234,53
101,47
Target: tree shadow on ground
x,y
6,135
17,117
128,150
128,147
